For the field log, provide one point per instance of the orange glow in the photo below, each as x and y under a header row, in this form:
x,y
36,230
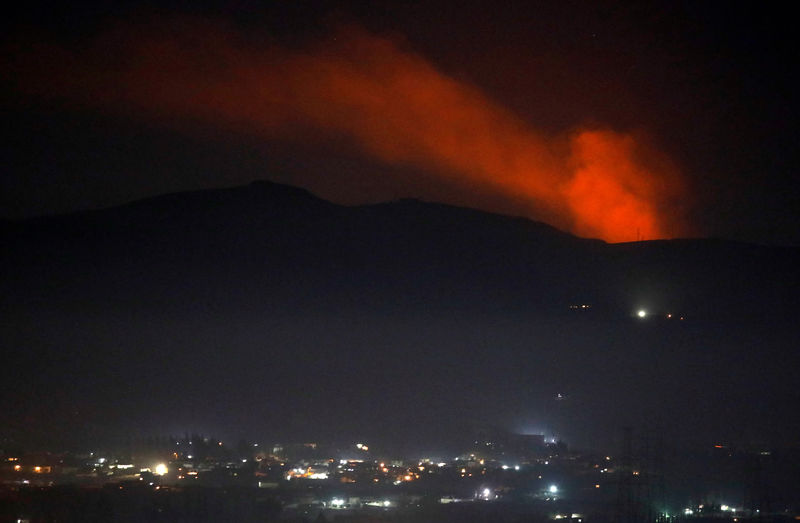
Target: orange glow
x,y
392,103
611,192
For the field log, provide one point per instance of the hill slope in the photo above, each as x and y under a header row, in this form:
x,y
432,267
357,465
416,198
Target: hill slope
x,y
263,308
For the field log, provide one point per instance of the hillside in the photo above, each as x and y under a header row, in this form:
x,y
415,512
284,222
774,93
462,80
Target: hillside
x,y
266,308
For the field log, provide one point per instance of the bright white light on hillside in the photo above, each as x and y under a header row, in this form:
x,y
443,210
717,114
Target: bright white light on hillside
x,y
642,313
553,489
161,469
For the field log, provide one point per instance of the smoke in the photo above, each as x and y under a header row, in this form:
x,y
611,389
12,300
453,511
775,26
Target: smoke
x,y
392,103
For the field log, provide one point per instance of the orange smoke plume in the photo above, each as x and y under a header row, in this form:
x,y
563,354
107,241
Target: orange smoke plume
x,y
391,102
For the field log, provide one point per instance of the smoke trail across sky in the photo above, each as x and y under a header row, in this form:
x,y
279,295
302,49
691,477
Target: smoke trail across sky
x,y
392,103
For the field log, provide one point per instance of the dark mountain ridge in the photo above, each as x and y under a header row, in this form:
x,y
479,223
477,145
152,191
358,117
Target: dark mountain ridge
x,y
410,249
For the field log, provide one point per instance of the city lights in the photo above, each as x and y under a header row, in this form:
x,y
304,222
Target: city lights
x,y
385,478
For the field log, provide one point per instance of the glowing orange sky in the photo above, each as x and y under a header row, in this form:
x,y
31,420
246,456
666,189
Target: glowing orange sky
x,y
394,104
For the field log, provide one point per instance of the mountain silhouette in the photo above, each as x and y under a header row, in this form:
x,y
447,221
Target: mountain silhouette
x,y
264,308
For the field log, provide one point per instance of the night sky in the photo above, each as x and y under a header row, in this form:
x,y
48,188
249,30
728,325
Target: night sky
x,y
620,122
265,311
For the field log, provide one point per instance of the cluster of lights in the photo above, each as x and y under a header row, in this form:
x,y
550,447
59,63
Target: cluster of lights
x,y
642,313
339,503
399,474
385,503
724,508
309,473
551,492
36,470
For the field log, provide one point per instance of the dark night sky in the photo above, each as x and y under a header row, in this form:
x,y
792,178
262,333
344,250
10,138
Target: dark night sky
x,y
709,85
